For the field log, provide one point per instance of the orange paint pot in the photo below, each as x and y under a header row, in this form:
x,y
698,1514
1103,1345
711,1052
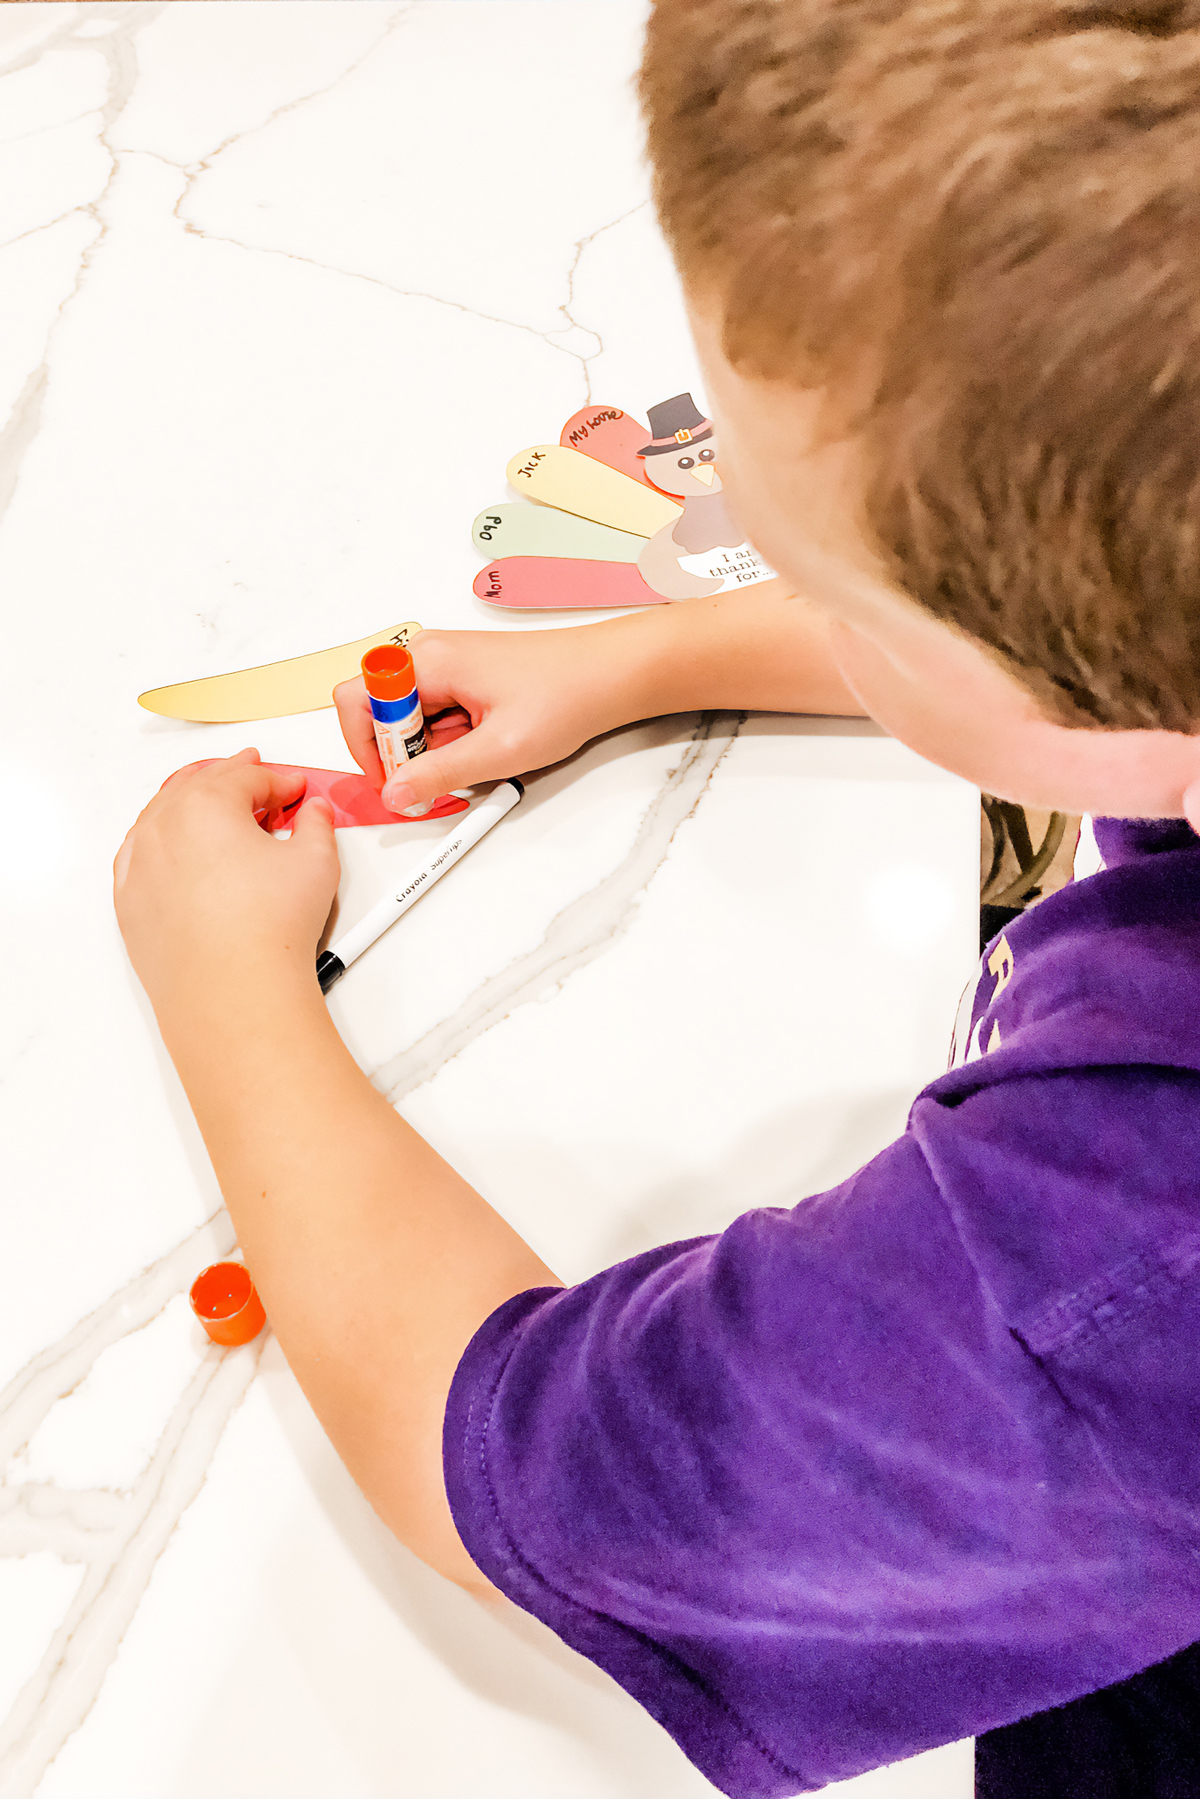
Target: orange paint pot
x,y
224,1300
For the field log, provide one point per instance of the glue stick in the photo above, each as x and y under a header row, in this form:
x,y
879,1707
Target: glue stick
x,y
396,711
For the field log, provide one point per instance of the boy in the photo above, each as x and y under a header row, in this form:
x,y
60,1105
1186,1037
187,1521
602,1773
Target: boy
x,y
922,1457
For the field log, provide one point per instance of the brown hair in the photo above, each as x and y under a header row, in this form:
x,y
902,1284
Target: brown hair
x,y
995,205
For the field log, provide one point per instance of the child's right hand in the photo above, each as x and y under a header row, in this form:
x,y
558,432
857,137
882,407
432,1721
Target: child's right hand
x,y
496,704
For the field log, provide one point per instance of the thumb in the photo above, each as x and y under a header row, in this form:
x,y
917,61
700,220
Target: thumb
x,y
313,826
479,755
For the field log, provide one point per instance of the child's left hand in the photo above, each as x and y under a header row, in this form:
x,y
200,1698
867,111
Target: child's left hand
x,y
203,893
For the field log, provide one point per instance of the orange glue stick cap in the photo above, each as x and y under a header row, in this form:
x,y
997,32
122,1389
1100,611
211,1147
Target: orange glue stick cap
x,y
388,672
224,1300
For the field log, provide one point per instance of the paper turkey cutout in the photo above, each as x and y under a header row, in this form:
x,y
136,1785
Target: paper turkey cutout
x,y
352,797
618,520
623,515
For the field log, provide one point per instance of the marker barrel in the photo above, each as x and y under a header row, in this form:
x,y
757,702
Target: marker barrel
x,y
333,962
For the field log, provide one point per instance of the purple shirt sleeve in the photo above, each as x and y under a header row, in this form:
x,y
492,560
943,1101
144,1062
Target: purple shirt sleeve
x,y
870,1475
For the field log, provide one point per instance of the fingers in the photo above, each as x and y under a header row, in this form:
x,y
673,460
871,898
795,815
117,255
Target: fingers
x,y
481,755
446,727
312,830
242,780
266,789
190,770
442,660
354,716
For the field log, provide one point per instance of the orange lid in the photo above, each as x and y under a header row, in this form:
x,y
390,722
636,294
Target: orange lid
x,y
388,672
225,1301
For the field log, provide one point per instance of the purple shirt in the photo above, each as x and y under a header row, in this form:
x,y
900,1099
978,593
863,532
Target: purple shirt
x,y
922,1455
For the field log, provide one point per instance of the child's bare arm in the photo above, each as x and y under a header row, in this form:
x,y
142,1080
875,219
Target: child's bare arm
x,y
517,701
375,1260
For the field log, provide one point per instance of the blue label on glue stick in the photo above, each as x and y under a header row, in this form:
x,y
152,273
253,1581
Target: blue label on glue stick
x,y
389,711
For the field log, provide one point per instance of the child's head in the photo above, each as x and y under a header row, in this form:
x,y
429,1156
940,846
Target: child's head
x,y
944,258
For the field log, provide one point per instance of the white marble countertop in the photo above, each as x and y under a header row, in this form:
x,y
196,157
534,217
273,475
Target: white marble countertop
x,y
282,286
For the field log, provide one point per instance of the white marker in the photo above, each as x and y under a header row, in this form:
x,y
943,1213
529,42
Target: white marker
x,y
333,962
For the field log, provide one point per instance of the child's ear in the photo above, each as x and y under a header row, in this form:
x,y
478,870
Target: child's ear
x,y
1191,805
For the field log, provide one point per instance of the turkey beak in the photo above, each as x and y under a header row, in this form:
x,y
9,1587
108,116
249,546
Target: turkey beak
x,y
705,473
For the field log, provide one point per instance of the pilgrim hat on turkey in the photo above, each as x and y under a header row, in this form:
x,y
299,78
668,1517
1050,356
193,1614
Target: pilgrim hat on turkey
x,y
675,422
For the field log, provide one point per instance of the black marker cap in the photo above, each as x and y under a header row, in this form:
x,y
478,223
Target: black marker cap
x,y
519,785
330,968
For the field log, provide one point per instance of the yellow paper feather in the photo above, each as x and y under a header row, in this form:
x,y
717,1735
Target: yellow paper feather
x,y
590,489
273,689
